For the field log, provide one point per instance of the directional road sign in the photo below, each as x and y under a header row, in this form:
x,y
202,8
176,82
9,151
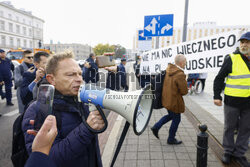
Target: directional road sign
x,y
158,25
141,36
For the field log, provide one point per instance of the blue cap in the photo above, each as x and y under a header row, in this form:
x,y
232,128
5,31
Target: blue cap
x,y
245,36
2,51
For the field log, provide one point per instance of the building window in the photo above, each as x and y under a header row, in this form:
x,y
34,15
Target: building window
x,y
162,41
25,43
10,27
211,32
30,23
11,42
228,29
23,21
10,16
179,36
24,30
30,32
217,31
31,44
17,29
18,42
222,30
38,33
1,13
206,32
195,34
173,42
2,25
189,34
200,35
17,18
3,40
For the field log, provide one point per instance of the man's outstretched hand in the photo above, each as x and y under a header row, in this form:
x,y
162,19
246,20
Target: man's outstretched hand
x,y
45,136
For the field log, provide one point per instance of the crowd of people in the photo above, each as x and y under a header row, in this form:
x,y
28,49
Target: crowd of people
x,y
65,140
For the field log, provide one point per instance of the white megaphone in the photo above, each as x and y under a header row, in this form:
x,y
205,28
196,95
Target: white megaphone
x,y
135,106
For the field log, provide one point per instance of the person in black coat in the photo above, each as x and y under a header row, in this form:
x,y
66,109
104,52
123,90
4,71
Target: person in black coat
x,y
112,78
91,70
6,77
122,76
32,76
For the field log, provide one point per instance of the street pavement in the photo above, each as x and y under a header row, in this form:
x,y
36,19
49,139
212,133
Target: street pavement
x,y
147,151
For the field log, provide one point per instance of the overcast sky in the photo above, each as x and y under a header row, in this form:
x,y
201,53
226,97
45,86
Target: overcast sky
x,y
115,21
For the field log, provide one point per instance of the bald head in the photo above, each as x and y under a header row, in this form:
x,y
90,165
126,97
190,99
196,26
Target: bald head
x,y
180,60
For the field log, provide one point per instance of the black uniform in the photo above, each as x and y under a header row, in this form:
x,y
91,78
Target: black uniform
x,y
5,75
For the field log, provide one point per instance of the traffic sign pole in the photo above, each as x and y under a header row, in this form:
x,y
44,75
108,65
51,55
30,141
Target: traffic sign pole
x,y
157,43
184,35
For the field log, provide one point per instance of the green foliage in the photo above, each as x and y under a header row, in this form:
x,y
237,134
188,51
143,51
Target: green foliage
x,y
102,48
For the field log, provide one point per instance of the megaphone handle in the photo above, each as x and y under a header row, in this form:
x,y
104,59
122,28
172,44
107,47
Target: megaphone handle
x,y
92,107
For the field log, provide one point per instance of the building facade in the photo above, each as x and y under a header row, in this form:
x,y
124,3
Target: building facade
x,y
81,51
19,28
199,30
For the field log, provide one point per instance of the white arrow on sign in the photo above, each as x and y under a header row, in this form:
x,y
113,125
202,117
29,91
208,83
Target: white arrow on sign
x,y
153,27
166,27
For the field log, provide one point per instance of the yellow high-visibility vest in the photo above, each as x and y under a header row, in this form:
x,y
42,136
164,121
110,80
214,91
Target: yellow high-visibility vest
x,y
238,82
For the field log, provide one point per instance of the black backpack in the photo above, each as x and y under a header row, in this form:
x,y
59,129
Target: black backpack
x,y
157,86
19,154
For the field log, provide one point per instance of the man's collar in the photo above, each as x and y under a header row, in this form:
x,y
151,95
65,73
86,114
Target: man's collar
x,y
179,67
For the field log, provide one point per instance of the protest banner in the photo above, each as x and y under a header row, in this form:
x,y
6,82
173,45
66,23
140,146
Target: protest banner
x,y
203,55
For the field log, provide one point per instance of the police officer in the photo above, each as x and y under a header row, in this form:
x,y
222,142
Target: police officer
x,y
236,68
6,76
122,75
91,69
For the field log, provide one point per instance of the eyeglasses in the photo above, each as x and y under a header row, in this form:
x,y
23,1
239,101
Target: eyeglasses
x,y
29,57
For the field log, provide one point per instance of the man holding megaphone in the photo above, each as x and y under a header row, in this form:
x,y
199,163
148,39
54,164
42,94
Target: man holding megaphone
x,y
75,145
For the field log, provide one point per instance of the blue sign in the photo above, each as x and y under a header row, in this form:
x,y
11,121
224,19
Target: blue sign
x,y
141,36
158,25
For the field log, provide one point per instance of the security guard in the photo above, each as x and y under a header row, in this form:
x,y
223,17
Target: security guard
x,y
236,70
6,76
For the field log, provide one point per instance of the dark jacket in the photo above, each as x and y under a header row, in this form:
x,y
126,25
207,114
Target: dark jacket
x,y
91,74
239,102
19,71
74,145
6,67
113,80
38,159
157,85
26,94
174,87
122,77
